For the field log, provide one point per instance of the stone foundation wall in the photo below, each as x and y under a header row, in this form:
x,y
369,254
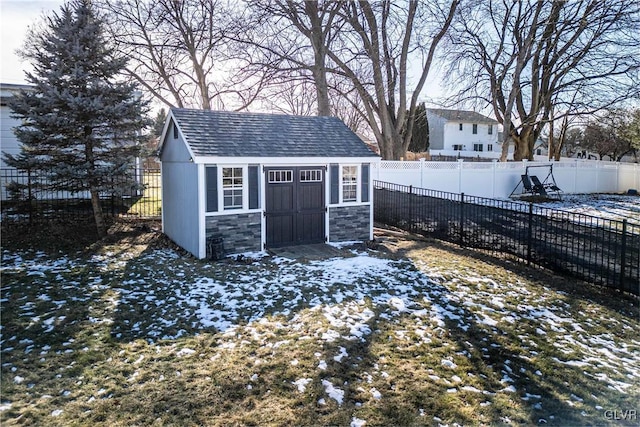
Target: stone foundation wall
x,y
240,232
347,223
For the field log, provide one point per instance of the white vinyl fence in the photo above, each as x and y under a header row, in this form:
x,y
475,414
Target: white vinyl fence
x,y
499,179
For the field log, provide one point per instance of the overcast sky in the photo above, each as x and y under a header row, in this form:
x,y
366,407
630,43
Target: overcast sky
x,y
15,18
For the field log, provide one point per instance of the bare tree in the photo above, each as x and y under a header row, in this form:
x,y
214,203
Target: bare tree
x,y
384,39
299,97
291,38
358,55
606,135
179,52
521,57
290,96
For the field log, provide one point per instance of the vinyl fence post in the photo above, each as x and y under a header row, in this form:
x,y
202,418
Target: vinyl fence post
x,y
530,233
623,253
462,219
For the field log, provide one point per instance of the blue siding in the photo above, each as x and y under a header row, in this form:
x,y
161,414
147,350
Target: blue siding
x,y
174,150
180,194
180,204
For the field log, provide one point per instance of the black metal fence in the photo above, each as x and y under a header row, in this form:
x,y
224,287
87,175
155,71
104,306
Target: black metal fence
x,y
601,251
28,197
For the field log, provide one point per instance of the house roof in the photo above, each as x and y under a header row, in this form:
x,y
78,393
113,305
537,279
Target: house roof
x,y
233,134
9,90
464,116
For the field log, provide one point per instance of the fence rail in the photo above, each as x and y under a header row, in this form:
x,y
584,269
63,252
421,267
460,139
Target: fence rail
x,y
29,197
601,251
500,179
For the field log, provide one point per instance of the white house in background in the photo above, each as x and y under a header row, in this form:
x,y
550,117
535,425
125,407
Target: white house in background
x,y
8,141
460,130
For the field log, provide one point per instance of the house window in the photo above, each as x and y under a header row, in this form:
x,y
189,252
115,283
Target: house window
x,y
475,128
175,131
349,183
490,130
489,147
311,175
457,147
477,147
232,188
460,126
280,176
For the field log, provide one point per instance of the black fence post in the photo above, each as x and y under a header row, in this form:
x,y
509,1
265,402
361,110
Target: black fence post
x,y
411,222
530,233
462,219
29,196
623,253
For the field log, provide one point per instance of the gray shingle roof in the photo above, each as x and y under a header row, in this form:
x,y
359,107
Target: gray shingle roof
x,y
232,134
461,116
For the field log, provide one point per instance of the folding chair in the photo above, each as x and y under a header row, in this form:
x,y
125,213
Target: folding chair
x,y
527,183
537,186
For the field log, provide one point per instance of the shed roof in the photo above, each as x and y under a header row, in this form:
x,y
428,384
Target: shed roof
x,y
461,116
233,134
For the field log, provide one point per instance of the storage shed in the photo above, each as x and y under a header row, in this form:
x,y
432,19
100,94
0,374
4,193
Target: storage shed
x,y
257,181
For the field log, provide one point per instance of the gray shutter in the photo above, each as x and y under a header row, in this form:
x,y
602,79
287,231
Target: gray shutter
x,y
335,183
364,188
254,188
212,188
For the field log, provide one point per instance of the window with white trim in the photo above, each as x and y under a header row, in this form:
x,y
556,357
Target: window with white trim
x,y
474,128
459,126
457,147
489,147
490,130
477,147
232,182
280,176
349,183
311,175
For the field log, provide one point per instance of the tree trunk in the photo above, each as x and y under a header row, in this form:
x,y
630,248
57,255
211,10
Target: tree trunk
x,y
322,91
524,143
319,71
505,149
98,216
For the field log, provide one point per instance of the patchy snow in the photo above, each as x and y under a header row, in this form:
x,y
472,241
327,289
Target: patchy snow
x,y
448,364
375,393
347,298
343,353
185,352
606,206
302,384
333,392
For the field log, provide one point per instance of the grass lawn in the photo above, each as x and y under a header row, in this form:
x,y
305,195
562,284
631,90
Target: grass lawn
x,y
130,331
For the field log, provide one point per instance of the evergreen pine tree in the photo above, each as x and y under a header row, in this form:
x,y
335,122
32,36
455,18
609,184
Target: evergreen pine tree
x,y
420,137
158,123
81,125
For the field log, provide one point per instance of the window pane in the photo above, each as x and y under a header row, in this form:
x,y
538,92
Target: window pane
x,y
280,176
349,183
232,188
312,175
